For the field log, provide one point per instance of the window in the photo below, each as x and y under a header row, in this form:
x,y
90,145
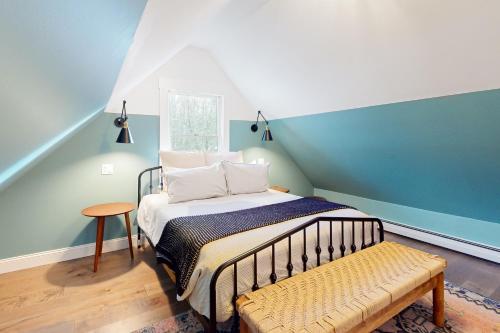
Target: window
x,y
194,121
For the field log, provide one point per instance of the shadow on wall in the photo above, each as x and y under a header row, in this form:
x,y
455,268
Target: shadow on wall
x,y
43,206
283,170
114,227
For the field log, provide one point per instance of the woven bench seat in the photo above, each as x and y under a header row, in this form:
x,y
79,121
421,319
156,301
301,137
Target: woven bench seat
x,y
356,293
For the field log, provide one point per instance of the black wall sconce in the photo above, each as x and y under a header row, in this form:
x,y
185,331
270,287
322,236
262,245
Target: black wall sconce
x,y
121,122
266,136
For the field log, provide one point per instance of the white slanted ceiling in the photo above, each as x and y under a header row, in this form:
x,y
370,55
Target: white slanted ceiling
x,y
166,28
299,57
295,57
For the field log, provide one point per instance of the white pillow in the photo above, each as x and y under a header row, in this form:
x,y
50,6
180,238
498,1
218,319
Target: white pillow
x,y
246,178
236,157
196,183
182,159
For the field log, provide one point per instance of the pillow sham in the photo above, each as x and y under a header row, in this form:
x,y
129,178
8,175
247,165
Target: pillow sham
x,y
195,183
246,178
236,157
182,159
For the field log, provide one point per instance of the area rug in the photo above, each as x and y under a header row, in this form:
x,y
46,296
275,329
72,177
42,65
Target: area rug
x,y
466,312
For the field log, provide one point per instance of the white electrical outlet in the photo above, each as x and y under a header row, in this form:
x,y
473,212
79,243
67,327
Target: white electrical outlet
x,y
107,169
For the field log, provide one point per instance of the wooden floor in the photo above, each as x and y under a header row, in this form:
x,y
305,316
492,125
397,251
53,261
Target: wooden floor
x,y
480,276
68,297
124,296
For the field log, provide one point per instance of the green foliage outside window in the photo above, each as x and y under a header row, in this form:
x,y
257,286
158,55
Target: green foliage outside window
x,y
193,122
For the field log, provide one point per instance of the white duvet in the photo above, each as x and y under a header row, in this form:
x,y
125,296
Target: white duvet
x,y
154,213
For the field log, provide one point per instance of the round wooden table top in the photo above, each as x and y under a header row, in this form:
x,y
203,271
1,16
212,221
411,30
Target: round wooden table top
x,y
108,209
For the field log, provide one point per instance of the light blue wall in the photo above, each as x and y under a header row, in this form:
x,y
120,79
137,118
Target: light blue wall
x,y
439,154
283,170
41,210
59,60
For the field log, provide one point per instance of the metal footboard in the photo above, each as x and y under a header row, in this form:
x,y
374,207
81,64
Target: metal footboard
x,y
346,222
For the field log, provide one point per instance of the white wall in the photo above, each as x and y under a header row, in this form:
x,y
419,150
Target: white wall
x,y
166,27
193,70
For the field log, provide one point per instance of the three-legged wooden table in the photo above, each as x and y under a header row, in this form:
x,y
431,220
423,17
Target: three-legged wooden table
x,y
101,212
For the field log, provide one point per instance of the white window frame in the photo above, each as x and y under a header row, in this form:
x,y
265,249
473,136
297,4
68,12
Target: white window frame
x,y
165,143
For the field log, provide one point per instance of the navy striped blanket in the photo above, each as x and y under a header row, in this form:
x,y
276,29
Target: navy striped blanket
x,y
183,237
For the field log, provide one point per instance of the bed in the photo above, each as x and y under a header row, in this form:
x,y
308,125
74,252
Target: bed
x,y
245,261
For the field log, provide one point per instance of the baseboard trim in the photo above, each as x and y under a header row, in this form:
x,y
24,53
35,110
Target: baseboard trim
x,y
474,249
80,251
63,254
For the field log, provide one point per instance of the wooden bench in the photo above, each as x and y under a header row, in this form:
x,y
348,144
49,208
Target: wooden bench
x,y
357,293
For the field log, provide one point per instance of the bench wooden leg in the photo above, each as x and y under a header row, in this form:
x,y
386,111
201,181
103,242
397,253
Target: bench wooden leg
x,y
244,327
438,300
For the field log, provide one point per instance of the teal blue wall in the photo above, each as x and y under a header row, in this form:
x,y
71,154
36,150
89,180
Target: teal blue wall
x,y
477,231
283,170
432,164
439,154
59,60
41,210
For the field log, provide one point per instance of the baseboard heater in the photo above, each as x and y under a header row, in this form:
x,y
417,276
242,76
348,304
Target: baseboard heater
x,y
479,250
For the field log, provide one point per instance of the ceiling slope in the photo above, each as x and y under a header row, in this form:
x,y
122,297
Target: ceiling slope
x,y
165,29
59,62
298,57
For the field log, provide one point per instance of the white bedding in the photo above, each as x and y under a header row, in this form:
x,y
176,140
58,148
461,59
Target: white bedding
x,y
154,212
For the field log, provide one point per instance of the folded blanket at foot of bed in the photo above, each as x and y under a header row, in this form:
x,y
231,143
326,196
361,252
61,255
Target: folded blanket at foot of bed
x,y
183,237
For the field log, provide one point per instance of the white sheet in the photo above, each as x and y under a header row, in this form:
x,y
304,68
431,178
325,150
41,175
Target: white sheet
x,y
154,212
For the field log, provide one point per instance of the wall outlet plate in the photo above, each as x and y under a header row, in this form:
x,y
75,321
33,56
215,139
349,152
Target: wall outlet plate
x,y
107,169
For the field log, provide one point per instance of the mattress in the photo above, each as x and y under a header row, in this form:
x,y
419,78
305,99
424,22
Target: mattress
x,y
154,213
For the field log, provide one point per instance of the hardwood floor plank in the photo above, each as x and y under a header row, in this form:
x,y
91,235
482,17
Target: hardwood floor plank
x,y
475,274
110,314
143,319
156,287
26,299
61,327
82,294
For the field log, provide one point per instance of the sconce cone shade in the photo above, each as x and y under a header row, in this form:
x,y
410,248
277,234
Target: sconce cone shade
x,y
267,136
125,136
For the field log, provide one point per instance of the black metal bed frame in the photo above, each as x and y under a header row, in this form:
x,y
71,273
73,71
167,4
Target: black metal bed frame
x,y
345,222
139,195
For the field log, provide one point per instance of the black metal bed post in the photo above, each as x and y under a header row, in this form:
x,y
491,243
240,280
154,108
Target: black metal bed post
x,y
139,192
212,326
138,236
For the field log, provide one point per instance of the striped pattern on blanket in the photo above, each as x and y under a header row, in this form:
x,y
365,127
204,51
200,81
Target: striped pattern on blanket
x,y
183,237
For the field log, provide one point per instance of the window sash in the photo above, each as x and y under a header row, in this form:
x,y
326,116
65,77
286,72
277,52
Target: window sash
x,y
205,137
